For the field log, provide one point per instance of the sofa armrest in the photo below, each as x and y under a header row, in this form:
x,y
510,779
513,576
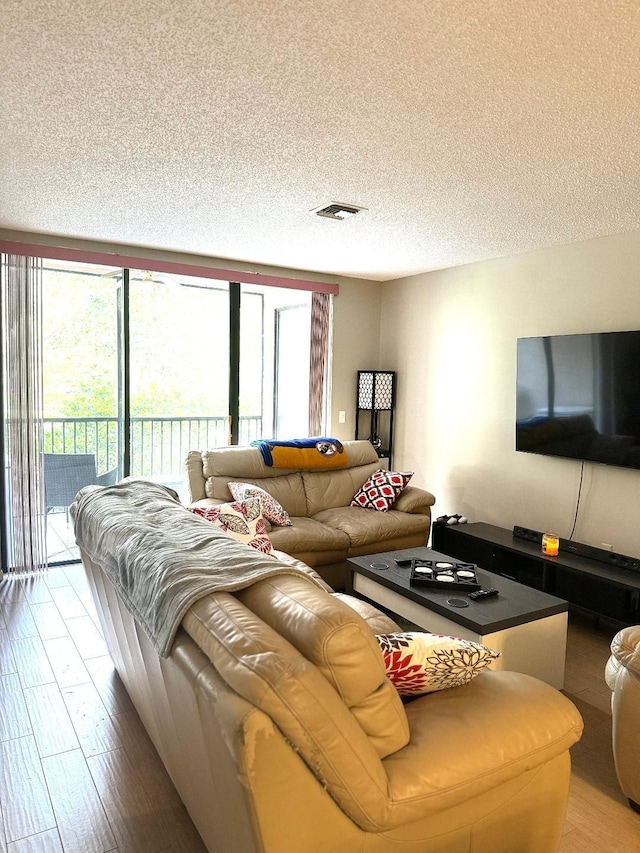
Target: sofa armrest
x,y
625,648
194,476
413,499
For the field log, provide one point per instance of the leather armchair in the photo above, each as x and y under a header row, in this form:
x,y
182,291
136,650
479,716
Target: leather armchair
x,y
623,677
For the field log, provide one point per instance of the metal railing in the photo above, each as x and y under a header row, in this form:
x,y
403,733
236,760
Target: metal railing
x,y
158,445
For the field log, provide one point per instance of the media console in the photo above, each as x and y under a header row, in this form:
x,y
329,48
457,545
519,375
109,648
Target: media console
x,y
594,585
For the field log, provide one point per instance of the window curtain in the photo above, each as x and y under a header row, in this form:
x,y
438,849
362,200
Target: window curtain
x,y
23,505
319,361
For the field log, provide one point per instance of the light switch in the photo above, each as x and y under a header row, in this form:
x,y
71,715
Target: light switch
x,y
342,417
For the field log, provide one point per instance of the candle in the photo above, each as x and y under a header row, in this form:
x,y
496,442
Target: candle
x,y
550,544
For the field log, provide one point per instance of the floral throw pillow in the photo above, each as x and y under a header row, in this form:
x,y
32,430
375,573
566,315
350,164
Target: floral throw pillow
x,y
271,509
420,663
240,519
381,490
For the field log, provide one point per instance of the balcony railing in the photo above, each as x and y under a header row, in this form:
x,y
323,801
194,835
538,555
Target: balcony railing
x,y
158,445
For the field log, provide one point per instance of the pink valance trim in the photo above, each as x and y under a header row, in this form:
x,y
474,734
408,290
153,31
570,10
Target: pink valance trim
x,y
114,259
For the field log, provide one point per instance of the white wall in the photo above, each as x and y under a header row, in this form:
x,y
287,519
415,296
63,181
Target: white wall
x,y
451,335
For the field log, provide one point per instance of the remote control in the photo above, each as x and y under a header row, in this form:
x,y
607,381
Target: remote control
x,y
482,593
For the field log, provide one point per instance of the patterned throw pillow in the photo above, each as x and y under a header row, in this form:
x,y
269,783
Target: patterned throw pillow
x,y
270,507
381,490
423,663
240,519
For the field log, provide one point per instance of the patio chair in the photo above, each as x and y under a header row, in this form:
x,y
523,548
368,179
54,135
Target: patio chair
x,y
66,473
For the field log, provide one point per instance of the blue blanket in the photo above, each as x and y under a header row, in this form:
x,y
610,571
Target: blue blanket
x,y
327,449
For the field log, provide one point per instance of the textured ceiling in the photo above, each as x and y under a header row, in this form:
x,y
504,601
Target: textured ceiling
x,y
468,130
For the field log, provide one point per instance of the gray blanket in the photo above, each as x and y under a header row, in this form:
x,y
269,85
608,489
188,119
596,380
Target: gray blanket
x,y
160,557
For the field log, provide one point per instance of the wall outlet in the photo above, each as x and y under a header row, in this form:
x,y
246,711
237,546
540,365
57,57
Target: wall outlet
x,y
342,417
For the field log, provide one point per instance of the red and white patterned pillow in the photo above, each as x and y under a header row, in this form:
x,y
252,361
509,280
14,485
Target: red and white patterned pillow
x,y
420,663
271,509
381,490
240,519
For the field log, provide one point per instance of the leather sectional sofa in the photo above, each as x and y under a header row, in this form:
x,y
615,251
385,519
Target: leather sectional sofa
x,y
325,530
623,677
274,716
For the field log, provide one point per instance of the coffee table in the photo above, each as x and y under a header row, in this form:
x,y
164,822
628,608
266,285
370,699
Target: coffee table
x,y
528,627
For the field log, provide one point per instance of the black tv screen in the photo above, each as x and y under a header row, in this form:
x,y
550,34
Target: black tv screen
x,y
578,396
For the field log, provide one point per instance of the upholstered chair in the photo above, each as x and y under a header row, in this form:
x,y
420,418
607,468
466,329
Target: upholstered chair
x,y
623,677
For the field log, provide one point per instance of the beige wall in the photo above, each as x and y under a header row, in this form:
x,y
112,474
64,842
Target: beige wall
x,y
451,335
356,346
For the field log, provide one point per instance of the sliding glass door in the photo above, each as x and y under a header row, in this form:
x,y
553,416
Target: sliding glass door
x,y
274,362
179,371
291,369
81,428
192,387
139,368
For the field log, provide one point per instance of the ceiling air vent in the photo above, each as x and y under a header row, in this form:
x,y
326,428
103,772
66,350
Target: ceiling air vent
x,y
337,210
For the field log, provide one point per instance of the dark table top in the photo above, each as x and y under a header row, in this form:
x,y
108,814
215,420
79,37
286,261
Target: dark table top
x,y
515,604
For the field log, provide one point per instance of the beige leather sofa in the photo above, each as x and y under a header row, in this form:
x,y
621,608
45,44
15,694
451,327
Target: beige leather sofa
x,y
623,677
325,530
282,734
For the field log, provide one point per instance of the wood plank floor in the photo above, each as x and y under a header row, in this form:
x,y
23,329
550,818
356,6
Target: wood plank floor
x,y
599,819
78,774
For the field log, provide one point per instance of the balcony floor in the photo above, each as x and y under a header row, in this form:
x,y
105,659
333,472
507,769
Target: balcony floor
x,y
61,543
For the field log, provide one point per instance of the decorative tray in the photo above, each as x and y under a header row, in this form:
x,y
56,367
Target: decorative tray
x,y
444,574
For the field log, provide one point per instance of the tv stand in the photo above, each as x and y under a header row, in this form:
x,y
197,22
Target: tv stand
x,y
591,584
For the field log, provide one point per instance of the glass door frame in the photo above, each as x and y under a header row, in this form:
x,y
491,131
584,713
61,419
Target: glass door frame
x,y
125,263
124,372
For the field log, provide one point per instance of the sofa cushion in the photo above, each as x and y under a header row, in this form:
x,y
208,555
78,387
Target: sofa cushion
x,y
339,642
236,463
364,527
514,722
287,489
381,490
324,490
240,519
418,663
271,509
308,534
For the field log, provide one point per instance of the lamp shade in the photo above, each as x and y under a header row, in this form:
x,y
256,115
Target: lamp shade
x,y
375,389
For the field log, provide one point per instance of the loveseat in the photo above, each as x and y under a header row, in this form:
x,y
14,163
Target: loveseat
x,y
325,530
622,674
269,702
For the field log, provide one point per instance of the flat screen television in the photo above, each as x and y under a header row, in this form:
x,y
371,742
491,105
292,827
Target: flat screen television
x,y
578,396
